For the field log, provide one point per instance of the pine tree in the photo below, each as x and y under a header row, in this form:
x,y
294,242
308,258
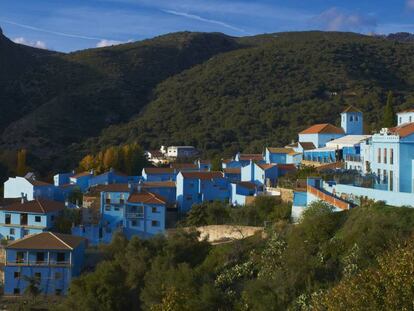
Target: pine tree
x,y
388,118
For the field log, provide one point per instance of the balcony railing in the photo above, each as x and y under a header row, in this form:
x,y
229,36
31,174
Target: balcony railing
x,y
38,263
135,215
353,158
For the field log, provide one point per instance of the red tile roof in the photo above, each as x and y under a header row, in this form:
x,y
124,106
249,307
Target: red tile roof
x,y
247,184
403,130
307,145
280,150
39,206
251,156
159,170
111,188
325,128
287,167
146,197
351,109
159,184
47,240
35,182
265,166
82,174
202,175
232,170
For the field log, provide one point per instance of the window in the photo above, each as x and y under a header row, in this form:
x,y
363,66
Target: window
x,y
122,199
189,198
58,292
116,208
351,118
38,219
107,208
379,155
134,223
108,198
385,176
410,119
379,174
60,257
58,276
52,218
38,275
385,155
356,118
16,291
391,180
391,156
16,274
400,120
7,219
40,257
154,209
12,231
155,223
20,257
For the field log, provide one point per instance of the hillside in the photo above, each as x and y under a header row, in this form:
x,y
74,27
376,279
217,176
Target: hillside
x,y
219,93
74,96
265,94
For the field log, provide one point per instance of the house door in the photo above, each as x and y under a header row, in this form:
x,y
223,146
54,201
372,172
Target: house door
x,y
23,219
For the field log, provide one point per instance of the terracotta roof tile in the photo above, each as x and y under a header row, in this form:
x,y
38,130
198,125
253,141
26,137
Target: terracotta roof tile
x,y
159,184
39,206
35,182
183,166
202,175
247,184
325,128
307,145
146,197
232,170
279,150
265,166
159,170
287,167
351,109
251,156
111,188
47,240
403,130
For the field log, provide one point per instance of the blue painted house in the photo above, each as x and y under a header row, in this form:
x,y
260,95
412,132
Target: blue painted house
x,y
232,174
52,258
166,189
82,180
262,174
282,156
198,187
159,174
29,188
128,208
242,191
352,121
20,219
110,177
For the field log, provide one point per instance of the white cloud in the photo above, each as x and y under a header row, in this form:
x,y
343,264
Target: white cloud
x,y
199,18
36,44
104,43
334,19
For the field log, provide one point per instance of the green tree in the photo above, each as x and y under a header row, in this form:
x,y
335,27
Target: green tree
x,y
388,118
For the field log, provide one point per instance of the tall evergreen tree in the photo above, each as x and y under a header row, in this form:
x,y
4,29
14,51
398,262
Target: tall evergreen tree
x,y
388,118
21,168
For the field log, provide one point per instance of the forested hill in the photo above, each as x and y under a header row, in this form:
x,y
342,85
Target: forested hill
x,y
219,93
264,94
67,98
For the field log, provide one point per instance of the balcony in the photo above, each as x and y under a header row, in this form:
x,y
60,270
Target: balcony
x,y
353,158
135,215
36,263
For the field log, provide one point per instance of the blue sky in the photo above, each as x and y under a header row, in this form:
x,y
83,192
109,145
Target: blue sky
x,y
68,25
